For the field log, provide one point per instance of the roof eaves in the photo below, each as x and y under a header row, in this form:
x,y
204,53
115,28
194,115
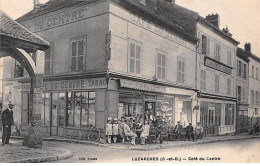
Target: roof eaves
x,y
203,20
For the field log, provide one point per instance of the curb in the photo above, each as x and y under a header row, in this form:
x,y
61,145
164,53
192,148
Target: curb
x,y
66,155
146,148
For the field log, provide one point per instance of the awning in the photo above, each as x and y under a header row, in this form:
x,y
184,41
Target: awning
x,y
154,88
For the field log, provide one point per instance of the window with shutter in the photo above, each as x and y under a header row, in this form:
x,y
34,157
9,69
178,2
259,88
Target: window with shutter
x,y
256,73
161,65
49,59
135,58
217,83
204,45
78,47
229,57
181,70
245,71
240,68
208,46
228,86
252,97
203,80
253,71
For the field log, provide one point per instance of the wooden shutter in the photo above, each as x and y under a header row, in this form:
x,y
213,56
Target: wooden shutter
x,y
73,56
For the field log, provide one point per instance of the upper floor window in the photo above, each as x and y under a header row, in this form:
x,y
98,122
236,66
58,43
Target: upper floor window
x,y
252,97
205,49
49,59
229,57
239,93
256,98
78,51
135,58
217,51
228,86
245,71
203,80
253,71
181,70
217,83
256,73
161,65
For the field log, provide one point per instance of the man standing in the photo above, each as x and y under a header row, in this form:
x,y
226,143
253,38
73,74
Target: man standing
x,y
178,129
7,121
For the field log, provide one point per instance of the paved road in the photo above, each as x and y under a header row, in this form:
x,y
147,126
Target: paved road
x,y
230,151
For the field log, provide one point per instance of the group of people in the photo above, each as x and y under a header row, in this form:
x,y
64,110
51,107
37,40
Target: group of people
x,y
190,132
125,128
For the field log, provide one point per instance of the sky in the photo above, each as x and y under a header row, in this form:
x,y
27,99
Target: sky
x,y
242,17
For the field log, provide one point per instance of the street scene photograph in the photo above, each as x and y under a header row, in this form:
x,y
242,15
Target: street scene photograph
x,y
130,81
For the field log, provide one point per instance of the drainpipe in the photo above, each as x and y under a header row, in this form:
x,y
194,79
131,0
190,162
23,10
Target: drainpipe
x,y
196,78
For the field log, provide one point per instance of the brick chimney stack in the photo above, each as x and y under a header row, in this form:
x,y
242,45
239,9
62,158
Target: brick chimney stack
x,y
248,47
213,19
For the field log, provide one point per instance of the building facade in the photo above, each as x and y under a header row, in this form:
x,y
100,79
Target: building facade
x,y
216,77
242,86
254,87
107,60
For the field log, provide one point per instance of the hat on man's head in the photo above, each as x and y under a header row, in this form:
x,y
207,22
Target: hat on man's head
x,y
178,122
109,118
115,119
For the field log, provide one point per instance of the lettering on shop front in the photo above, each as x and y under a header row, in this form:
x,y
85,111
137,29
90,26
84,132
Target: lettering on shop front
x,y
75,84
156,29
60,19
217,66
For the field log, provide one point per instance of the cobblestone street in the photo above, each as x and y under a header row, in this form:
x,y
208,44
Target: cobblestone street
x,y
15,152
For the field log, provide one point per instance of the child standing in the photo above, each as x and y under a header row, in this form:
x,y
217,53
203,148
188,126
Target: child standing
x,y
121,128
109,127
115,129
145,132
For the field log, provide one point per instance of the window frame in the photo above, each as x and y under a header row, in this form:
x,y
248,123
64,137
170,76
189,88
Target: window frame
x,y
183,61
163,53
50,50
229,57
129,57
256,73
253,71
217,51
203,80
229,82
216,83
77,40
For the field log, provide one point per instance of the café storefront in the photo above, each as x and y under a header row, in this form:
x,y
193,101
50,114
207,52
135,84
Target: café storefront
x,y
168,103
67,105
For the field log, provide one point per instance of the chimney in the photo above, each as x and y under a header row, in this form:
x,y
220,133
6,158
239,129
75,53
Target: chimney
x,y
35,4
213,19
171,1
226,31
248,47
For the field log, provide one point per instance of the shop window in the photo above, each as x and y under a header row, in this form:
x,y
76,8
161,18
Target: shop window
x,y
211,113
47,109
81,109
135,58
229,57
181,67
217,51
78,49
228,86
49,59
161,66
165,108
217,83
203,80
229,114
58,109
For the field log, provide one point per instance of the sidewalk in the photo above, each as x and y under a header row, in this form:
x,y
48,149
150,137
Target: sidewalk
x,y
16,153
165,145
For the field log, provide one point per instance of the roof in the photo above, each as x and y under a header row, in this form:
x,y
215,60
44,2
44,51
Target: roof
x,y
217,30
243,54
178,19
12,29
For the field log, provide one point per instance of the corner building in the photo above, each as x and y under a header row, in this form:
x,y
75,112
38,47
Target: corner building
x,y
112,58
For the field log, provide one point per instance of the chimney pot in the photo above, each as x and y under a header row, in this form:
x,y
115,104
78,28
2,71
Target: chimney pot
x,y
248,47
213,19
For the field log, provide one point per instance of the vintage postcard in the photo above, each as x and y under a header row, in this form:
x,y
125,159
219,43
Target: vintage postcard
x,y
130,81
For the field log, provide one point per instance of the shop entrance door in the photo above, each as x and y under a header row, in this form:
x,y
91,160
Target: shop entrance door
x,y
150,107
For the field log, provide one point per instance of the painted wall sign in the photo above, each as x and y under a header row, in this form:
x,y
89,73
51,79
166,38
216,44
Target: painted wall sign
x,y
156,29
81,84
217,65
58,19
154,88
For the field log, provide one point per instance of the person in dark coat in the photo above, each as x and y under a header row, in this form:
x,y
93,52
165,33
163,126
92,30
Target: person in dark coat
x,y
190,131
7,121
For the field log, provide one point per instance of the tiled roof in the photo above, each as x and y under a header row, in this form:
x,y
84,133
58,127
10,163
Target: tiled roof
x,y
243,54
10,28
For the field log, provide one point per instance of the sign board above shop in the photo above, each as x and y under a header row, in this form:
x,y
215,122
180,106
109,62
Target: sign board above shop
x,y
154,88
212,63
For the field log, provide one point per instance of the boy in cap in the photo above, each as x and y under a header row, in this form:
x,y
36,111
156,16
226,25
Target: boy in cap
x,y
109,130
